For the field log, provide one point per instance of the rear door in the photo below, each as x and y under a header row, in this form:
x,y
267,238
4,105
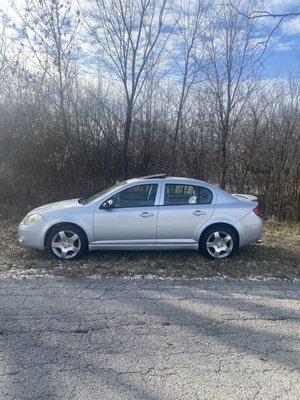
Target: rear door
x,y
132,219
185,208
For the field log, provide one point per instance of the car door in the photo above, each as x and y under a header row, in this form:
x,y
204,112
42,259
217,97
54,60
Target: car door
x,y
130,219
184,209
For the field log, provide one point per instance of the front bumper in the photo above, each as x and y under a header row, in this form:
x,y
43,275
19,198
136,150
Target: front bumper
x,y
32,236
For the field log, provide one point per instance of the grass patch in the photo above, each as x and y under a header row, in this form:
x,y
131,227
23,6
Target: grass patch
x,y
278,256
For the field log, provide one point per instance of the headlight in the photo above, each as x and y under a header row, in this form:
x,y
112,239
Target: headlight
x,y
31,219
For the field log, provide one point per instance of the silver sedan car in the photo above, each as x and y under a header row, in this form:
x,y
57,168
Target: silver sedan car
x,y
155,212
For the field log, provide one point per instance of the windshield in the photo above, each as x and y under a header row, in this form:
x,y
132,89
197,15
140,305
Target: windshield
x,y
88,200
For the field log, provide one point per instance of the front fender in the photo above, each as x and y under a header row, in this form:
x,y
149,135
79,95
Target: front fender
x,y
82,218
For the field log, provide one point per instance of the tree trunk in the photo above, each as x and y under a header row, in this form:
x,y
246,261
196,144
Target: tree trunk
x,y
127,129
223,179
173,160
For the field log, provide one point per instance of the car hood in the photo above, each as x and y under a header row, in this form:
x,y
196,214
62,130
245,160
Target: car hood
x,y
56,206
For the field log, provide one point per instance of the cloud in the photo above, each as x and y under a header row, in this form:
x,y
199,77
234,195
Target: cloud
x,y
277,6
291,26
286,46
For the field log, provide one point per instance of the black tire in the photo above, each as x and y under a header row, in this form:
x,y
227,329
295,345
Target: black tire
x,y
80,244
209,232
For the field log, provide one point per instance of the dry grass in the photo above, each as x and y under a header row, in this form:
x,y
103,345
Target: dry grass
x,y
278,256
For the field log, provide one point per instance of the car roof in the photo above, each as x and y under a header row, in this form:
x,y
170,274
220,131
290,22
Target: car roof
x,y
168,179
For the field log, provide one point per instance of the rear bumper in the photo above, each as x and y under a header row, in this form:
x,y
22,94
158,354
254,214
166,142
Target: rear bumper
x,y
250,229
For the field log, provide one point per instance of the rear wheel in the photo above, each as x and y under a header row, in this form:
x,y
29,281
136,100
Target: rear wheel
x,y
67,242
219,241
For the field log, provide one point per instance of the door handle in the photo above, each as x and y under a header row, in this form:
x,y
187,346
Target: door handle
x,y
199,212
146,214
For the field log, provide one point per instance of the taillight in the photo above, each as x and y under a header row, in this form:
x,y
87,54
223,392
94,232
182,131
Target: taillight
x,y
257,210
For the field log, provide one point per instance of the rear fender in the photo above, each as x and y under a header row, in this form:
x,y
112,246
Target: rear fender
x,y
215,220
228,214
250,228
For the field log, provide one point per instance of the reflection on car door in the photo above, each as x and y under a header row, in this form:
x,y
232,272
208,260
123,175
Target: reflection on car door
x,y
131,221
185,209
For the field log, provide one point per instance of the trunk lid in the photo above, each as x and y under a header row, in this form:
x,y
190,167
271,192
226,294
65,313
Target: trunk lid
x,y
249,198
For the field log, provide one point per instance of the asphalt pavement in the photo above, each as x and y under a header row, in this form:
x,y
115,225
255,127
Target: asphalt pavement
x,y
116,338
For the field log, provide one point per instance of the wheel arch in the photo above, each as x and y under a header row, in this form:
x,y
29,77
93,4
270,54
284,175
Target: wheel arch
x,y
58,224
220,224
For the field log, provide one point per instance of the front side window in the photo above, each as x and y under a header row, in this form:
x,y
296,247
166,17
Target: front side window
x,y
136,196
186,194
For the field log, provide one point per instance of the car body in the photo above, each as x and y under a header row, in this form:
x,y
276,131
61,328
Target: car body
x,y
156,212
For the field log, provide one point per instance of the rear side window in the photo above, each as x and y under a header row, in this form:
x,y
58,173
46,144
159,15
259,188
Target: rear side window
x,y
135,196
186,194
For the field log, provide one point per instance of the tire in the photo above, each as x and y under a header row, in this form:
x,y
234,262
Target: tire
x,y
66,242
218,241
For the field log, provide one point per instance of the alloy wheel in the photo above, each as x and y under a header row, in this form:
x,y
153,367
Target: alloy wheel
x,y
66,244
219,244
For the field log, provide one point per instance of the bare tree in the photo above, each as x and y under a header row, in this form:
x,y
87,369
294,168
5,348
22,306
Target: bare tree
x,y
50,28
257,14
253,14
4,64
230,75
190,25
227,124
130,39
9,60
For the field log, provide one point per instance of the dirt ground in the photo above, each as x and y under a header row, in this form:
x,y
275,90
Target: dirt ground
x,y
278,256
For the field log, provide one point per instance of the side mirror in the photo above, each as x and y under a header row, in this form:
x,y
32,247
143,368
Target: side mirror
x,y
107,204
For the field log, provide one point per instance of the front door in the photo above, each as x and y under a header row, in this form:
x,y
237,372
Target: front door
x,y
130,220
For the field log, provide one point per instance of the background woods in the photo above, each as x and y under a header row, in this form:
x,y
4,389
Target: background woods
x,y
111,89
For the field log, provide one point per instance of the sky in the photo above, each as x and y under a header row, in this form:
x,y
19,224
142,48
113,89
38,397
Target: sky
x,y
282,56
283,52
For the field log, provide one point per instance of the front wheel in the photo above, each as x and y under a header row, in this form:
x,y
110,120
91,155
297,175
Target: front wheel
x,y
66,242
218,242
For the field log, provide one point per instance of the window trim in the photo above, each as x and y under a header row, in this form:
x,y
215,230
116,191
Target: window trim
x,y
130,187
186,204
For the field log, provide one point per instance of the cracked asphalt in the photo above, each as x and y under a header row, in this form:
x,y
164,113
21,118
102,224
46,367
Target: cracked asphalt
x,y
119,338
